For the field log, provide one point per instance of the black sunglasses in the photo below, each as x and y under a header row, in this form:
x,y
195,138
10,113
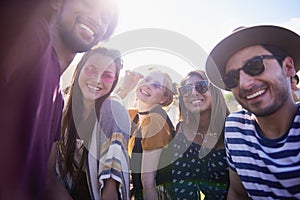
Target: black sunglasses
x,y
200,86
253,67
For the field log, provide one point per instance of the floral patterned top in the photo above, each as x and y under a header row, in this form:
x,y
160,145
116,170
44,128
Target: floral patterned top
x,y
194,175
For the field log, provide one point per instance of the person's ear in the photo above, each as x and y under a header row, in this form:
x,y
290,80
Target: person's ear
x,y
288,66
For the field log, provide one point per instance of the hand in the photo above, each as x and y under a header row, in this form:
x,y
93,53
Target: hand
x,y
130,80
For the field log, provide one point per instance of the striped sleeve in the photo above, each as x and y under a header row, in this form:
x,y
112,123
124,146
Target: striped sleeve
x,y
112,141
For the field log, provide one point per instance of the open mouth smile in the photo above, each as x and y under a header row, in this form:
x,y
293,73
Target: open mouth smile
x,y
93,87
87,28
144,92
256,94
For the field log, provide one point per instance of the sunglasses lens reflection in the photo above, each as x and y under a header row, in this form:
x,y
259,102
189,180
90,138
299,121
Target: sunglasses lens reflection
x,y
232,79
108,77
157,85
253,67
200,86
185,90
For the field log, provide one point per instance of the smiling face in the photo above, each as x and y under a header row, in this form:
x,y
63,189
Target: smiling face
x,y
196,102
150,90
96,77
265,93
83,23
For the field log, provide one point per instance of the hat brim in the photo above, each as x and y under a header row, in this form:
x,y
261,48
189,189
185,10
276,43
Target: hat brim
x,y
283,38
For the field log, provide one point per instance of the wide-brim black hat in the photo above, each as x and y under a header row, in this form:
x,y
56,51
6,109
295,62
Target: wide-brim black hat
x,y
283,38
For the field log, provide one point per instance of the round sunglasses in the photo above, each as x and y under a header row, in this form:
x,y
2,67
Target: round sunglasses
x,y
153,83
200,86
253,67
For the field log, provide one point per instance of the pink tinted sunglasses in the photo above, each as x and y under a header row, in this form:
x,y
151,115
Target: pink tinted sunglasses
x,y
106,77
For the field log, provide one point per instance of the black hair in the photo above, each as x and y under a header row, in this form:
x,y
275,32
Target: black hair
x,y
276,51
297,78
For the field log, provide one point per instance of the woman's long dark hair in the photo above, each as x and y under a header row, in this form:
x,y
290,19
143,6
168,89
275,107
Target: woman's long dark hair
x,y
73,113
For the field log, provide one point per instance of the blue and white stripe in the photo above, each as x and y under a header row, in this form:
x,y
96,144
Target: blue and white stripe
x,y
268,168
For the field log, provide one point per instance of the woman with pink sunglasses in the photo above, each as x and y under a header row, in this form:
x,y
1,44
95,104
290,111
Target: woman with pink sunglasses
x,y
92,159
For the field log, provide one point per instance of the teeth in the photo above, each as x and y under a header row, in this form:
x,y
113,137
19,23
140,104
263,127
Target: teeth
x,y
145,93
93,87
88,29
255,94
197,101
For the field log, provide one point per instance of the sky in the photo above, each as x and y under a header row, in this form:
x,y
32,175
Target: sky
x,y
204,22
207,22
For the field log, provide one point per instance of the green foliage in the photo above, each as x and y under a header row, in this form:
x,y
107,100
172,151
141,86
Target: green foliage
x,y
233,105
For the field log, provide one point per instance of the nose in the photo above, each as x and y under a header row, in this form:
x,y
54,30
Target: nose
x,y
96,78
149,85
92,72
246,81
194,91
100,17
95,16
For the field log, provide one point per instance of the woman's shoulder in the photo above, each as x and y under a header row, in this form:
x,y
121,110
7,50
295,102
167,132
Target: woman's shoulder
x,y
114,110
113,116
112,100
114,105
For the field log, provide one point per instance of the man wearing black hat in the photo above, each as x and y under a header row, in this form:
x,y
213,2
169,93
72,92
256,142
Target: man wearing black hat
x,y
263,140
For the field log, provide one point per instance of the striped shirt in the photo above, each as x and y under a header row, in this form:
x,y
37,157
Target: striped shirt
x,y
268,168
107,155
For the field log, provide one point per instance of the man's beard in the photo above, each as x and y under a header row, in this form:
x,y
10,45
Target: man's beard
x,y
73,42
281,97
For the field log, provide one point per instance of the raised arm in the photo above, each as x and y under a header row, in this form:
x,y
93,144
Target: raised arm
x,y
129,82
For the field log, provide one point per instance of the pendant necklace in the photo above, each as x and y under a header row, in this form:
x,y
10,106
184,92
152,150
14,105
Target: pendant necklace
x,y
203,136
